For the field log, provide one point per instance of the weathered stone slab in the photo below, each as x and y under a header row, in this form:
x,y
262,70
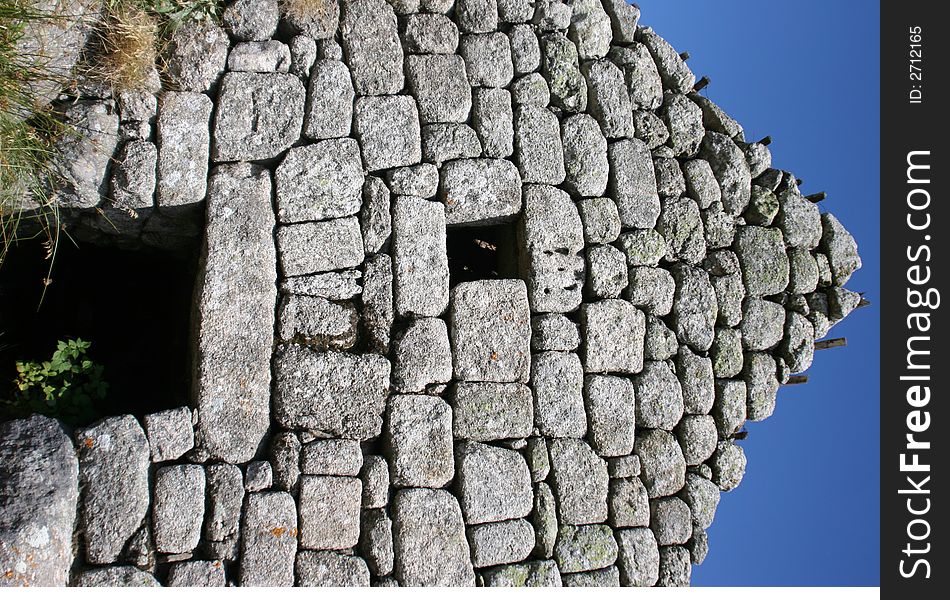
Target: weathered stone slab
x,y
676,76
270,56
487,59
429,540
258,116
731,171
336,285
557,379
638,557
606,577
538,573
329,101
613,330
493,119
554,332
623,19
422,355
376,541
236,298
329,569
183,143
331,457
330,392
224,484
628,503
763,324
651,289
248,20
662,462
608,98
134,175
375,478
580,482
447,141
320,181
761,252
329,510
840,248
585,548
501,543
39,489
694,307
378,301
633,183
307,248
370,37
116,577
418,180
538,147
559,65
484,412
697,435
643,79
420,262
611,413
675,568
258,476
376,215
659,397
197,573
440,86
419,438
493,483
426,33
585,156
388,130
316,322
113,475
179,508
480,191
170,433
728,465
268,540
490,324
195,55
551,234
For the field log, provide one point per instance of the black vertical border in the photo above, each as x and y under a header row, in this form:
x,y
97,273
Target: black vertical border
x,y
908,127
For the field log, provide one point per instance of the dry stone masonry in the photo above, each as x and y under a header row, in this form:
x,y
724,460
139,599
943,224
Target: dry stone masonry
x,y
363,412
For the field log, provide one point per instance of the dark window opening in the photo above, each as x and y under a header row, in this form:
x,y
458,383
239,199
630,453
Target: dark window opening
x,y
488,252
133,306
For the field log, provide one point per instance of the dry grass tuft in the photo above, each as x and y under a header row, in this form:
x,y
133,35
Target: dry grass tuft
x,y
128,40
304,10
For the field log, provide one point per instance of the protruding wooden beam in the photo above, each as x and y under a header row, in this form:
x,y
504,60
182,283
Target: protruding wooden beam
x,y
701,84
766,140
684,55
864,302
797,380
817,197
832,343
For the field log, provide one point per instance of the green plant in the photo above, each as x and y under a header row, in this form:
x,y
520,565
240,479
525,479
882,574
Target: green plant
x,y
66,386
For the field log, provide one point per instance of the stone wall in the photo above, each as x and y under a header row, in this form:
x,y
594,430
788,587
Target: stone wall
x,y
356,420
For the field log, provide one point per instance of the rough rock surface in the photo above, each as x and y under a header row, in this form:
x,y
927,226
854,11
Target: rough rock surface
x,y
486,294
39,488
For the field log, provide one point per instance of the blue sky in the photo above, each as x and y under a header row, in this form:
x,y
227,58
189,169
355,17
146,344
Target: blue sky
x,y
806,73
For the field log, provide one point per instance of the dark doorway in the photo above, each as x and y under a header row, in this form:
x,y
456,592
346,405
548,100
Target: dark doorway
x,y
482,253
133,306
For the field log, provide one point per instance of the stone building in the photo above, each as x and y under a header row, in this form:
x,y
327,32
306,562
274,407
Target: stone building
x,y
486,291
